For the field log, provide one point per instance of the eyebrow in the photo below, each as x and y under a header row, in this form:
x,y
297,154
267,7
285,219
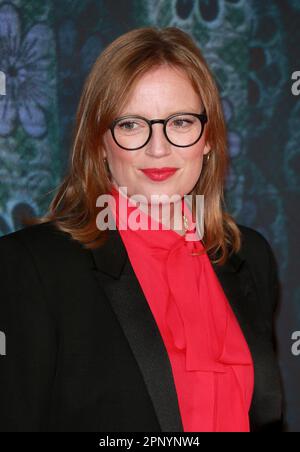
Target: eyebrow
x,y
184,110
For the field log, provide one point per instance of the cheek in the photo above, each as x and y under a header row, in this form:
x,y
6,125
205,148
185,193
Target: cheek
x,y
121,164
193,161
120,159
193,171
116,158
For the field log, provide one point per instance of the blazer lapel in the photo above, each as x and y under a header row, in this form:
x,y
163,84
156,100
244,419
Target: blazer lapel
x,y
116,276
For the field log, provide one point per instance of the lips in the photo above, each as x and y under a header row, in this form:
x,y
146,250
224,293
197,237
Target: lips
x,y
159,174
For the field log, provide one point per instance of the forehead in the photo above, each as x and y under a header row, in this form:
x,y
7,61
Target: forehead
x,y
163,91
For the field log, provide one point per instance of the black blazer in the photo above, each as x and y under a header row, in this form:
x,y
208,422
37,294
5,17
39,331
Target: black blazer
x,y
83,351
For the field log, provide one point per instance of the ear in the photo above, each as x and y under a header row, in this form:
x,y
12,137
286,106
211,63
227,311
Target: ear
x,y
207,148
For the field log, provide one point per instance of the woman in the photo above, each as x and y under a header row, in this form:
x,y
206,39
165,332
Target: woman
x,y
129,328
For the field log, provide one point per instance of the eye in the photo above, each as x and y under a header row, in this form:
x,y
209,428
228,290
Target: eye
x,y
126,125
182,122
179,122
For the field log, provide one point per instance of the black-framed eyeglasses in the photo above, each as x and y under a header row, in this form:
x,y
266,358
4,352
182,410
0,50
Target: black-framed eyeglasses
x,y
132,132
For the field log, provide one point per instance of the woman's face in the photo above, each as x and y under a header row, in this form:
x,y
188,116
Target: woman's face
x,y
158,94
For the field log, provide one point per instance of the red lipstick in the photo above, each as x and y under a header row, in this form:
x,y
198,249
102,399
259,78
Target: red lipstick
x,y
159,174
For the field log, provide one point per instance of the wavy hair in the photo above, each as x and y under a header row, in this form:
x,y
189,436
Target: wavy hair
x,y
106,90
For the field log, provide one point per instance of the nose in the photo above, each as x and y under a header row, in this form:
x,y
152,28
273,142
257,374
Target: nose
x,y
158,145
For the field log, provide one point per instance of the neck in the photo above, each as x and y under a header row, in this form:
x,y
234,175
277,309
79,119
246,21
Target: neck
x,y
168,214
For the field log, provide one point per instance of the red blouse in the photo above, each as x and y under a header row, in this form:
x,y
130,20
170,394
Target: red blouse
x,y
210,359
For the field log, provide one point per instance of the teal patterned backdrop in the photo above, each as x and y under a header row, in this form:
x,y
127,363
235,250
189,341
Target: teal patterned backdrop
x,y
252,46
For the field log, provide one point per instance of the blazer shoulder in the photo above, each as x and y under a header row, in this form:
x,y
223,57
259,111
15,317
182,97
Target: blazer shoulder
x,y
252,235
254,243
260,256
37,232
44,240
